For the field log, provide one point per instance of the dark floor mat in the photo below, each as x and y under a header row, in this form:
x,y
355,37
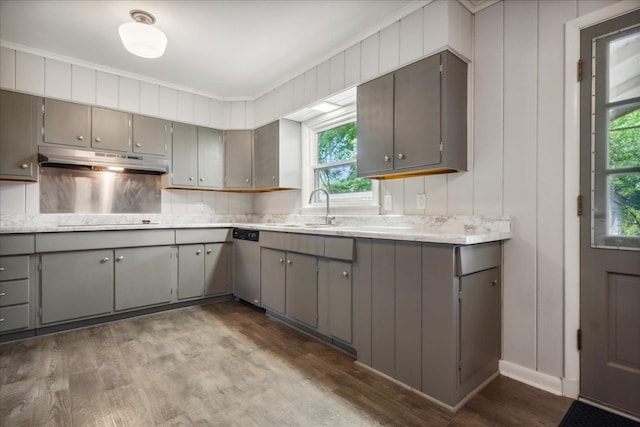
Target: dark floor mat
x,y
583,415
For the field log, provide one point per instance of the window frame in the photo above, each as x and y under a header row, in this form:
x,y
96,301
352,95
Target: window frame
x,y
310,130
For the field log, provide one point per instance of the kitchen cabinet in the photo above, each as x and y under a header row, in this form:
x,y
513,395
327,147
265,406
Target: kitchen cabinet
x,y
202,270
383,307
151,135
276,154
340,300
16,282
197,157
273,279
110,129
302,288
414,121
143,276
76,285
238,154
66,123
20,131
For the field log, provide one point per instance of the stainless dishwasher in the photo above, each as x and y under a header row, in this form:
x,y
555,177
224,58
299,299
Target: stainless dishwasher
x,y
246,265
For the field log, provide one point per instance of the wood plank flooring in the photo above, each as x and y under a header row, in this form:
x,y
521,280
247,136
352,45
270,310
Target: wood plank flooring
x,y
225,365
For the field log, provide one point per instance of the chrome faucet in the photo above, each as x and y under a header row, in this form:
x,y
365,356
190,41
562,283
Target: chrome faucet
x,y
328,219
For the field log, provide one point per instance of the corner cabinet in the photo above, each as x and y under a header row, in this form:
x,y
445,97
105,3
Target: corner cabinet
x,y
276,154
20,132
414,121
238,159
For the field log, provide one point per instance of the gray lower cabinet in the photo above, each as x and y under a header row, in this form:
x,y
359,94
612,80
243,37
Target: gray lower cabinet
x,y
217,269
238,154
273,279
383,306
340,300
190,271
20,132
76,285
16,282
143,276
66,123
151,135
302,288
110,129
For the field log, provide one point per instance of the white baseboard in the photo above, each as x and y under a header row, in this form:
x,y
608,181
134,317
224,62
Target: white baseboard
x,y
570,388
531,377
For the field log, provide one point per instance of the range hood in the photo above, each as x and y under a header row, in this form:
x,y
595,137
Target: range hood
x,y
51,156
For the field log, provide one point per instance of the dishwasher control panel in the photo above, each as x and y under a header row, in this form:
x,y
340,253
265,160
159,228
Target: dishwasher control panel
x,y
251,235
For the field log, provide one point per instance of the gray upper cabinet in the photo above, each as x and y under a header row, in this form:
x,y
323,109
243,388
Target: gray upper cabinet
x,y
273,279
238,153
151,135
302,288
184,160
375,126
414,120
76,285
20,132
276,155
67,123
210,158
110,130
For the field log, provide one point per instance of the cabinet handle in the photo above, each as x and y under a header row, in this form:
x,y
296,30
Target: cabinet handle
x,y
281,260
289,261
345,274
24,166
400,156
2,294
97,139
138,145
198,252
120,258
208,251
80,137
387,158
105,259
190,178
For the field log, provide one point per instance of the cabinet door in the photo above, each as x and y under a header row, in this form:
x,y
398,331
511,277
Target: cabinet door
x,y
110,130
273,279
20,131
340,307
184,167
375,126
191,259
302,288
265,154
66,123
417,114
383,307
246,270
216,275
479,326
76,284
210,158
408,279
143,276
151,135
238,158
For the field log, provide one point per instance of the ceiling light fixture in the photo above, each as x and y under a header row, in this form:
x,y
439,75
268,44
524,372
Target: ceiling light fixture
x,y
324,107
141,38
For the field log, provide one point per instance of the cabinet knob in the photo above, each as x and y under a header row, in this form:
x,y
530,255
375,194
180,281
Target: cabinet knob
x,y
387,158
24,166
494,282
400,156
208,251
289,261
2,294
198,252
281,260
105,259
273,178
201,179
1,320
345,274
246,180
80,137
190,178
97,139
1,268
138,145
120,258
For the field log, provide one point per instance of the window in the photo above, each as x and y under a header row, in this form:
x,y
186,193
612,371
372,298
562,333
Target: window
x,y
332,145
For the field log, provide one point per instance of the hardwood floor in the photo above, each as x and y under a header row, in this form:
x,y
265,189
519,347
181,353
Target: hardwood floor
x,y
225,365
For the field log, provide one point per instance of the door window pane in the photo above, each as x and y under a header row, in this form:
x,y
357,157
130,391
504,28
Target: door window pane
x,y
624,205
624,137
624,68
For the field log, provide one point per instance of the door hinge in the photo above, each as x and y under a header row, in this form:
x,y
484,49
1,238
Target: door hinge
x,y
441,68
459,295
579,339
580,205
580,70
441,147
42,108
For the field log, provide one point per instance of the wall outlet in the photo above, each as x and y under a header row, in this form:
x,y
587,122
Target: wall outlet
x,y
388,202
421,201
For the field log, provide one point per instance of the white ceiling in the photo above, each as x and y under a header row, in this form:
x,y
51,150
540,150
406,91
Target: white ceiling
x,y
226,49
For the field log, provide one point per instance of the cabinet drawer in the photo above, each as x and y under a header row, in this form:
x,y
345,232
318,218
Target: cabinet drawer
x,y
473,258
203,235
14,317
14,267
14,292
338,248
84,240
16,244
305,244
